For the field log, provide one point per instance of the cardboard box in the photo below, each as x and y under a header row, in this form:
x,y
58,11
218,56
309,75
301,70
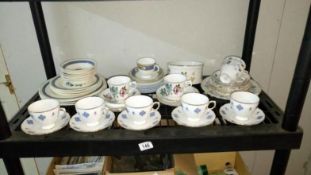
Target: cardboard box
x,y
216,162
186,163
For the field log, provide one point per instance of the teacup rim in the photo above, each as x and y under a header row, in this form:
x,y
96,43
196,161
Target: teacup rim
x,y
102,103
182,101
256,96
32,111
137,61
126,104
118,84
175,74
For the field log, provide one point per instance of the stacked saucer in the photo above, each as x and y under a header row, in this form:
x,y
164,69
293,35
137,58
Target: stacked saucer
x,y
78,79
230,78
148,75
175,86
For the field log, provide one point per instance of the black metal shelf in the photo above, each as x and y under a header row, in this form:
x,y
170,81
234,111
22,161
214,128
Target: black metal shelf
x,y
167,137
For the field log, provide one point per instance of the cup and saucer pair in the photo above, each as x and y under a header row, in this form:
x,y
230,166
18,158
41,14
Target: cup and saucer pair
x,y
91,116
242,109
175,85
195,111
46,117
139,113
120,88
147,70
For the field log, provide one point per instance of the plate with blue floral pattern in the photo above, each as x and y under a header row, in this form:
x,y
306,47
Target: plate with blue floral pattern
x,y
228,114
31,127
181,119
127,122
104,122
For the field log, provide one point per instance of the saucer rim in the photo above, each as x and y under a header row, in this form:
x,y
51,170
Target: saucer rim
x,y
139,129
210,121
168,102
98,125
242,122
47,131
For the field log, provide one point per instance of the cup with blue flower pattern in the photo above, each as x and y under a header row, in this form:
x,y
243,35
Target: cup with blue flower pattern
x,y
91,109
243,104
195,105
139,107
45,112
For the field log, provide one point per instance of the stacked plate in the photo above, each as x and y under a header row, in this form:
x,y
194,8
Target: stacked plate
x,y
216,88
147,85
78,79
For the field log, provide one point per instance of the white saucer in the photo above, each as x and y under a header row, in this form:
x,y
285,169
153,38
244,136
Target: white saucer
x,y
181,119
207,87
137,76
169,102
111,104
126,122
227,114
31,127
105,121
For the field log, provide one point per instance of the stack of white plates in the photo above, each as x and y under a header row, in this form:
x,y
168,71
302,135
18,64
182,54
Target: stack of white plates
x,y
149,85
78,79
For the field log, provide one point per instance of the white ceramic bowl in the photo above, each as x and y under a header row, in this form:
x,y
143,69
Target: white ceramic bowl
x,y
191,69
78,66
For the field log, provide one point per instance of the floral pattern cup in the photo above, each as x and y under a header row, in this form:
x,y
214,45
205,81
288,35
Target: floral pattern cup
x,y
174,86
140,107
195,105
91,109
243,104
119,87
45,112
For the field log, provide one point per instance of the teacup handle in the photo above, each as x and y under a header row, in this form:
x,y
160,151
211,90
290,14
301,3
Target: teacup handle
x,y
105,109
133,84
188,83
156,68
211,102
158,105
62,109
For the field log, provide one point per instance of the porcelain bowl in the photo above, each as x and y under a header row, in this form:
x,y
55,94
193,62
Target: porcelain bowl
x,y
78,66
191,69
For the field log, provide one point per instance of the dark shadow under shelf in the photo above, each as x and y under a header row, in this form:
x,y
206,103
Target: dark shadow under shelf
x,y
167,137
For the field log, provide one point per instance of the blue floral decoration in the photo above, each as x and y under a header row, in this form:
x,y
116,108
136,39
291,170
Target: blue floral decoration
x,y
85,114
142,113
30,122
42,117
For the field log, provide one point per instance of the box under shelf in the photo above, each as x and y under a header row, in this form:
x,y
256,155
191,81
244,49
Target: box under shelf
x,y
167,137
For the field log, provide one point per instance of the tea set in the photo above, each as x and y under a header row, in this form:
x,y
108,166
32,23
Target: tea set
x,y
231,77
95,104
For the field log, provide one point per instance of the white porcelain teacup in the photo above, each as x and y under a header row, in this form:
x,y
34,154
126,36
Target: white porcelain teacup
x,y
194,105
174,86
120,86
234,60
91,109
147,66
139,107
230,73
45,112
243,104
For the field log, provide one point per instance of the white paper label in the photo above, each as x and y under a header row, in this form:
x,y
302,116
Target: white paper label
x,y
145,146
